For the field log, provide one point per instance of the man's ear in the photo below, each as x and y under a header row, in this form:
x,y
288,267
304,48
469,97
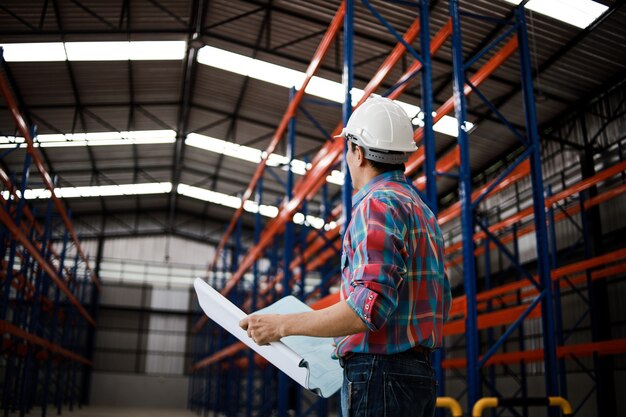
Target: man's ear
x,y
360,157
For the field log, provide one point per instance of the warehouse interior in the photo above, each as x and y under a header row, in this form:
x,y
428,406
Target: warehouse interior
x,y
145,143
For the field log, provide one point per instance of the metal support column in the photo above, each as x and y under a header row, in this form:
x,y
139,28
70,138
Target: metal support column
x,y
543,267
348,69
467,216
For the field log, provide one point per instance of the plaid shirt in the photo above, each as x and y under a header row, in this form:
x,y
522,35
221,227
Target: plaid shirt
x,y
393,269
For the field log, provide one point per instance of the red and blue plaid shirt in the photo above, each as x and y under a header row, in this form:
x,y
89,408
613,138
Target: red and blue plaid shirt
x,y
393,269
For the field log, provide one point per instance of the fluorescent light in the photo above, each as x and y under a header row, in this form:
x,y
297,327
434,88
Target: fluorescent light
x,y
253,155
94,51
449,126
580,13
249,206
122,51
142,137
209,196
97,191
33,52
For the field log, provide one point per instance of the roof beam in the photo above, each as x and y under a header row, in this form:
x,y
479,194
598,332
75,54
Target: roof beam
x,y
198,13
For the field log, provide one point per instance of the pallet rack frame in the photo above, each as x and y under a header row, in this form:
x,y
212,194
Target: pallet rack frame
x,y
42,329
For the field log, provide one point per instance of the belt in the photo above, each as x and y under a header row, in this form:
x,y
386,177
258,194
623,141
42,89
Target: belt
x,y
416,350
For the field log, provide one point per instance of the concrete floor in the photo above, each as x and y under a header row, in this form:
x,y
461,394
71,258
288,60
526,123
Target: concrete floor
x,y
97,411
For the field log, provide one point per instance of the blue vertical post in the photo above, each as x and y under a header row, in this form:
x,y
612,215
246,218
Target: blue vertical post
x,y
284,384
303,235
488,285
429,152
348,68
255,293
467,216
522,344
427,108
233,370
543,267
54,323
557,297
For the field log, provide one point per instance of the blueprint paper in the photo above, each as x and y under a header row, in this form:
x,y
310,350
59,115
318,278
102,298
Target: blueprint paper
x,y
325,375
306,360
226,314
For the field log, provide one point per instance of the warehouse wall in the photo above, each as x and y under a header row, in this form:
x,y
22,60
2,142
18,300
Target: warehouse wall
x,y
143,326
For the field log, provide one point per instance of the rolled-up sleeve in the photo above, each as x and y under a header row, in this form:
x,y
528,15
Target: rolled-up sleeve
x,y
378,263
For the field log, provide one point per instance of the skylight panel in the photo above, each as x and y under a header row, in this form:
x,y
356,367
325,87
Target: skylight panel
x,y
249,206
94,51
449,126
34,52
579,13
143,137
254,155
97,191
122,51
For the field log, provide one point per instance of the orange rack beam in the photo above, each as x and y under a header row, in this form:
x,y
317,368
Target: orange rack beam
x,y
611,347
23,129
6,327
25,242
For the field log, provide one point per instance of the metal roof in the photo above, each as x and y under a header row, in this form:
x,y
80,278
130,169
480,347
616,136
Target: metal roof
x,y
65,97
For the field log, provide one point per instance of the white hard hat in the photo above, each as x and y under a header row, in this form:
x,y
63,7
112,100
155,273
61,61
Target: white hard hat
x,y
381,126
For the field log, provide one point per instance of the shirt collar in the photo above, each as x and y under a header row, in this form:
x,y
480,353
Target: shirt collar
x,y
397,176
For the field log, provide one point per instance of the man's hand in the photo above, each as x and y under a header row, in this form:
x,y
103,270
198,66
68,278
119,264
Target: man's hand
x,y
263,328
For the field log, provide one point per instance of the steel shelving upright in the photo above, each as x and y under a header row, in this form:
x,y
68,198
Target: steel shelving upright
x,y
48,302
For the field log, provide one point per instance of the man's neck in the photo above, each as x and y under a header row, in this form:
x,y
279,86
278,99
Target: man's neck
x,y
366,175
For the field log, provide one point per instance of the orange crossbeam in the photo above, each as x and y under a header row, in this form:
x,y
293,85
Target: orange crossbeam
x,y
8,328
611,347
492,319
43,264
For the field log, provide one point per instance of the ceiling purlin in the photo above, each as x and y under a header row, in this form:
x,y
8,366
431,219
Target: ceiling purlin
x,y
298,40
173,15
90,12
197,22
234,18
232,128
18,18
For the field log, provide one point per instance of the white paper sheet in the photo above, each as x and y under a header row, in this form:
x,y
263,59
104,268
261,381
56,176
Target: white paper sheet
x,y
228,315
325,375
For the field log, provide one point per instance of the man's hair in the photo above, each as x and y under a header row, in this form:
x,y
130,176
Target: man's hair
x,y
380,167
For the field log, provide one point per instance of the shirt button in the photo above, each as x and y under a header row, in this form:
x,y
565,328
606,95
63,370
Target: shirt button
x,y
371,297
367,307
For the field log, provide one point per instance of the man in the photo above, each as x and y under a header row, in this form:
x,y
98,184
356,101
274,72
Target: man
x,y
394,292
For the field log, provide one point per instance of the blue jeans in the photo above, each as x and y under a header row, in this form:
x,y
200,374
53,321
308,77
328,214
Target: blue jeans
x,y
400,385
